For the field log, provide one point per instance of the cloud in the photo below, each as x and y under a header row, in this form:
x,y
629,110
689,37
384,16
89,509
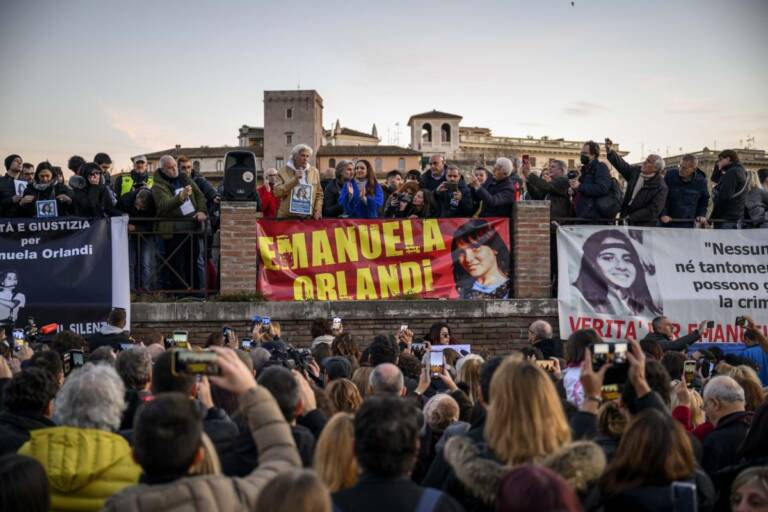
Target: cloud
x,y
690,106
584,108
144,130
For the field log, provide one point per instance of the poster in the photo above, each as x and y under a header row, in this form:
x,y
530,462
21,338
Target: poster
x,y
616,279
301,199
70,271
358,259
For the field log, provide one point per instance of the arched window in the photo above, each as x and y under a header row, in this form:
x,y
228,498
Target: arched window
x,y
445,133
401,164
426,132
377,166
332,162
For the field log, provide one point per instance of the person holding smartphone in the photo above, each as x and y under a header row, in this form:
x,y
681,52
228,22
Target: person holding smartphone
x,y
453,196
663,334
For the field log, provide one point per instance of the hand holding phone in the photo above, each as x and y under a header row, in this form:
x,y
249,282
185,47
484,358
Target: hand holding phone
x,y
436,363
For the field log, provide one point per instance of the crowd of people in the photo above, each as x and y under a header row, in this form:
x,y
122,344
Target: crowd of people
x,y
175,201
115,423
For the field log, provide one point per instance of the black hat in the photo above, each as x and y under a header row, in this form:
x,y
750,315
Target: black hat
x,y
337,367
9,160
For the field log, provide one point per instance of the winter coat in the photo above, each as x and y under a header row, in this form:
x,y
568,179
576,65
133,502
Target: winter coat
x,y
679,344
756,208
286,180
108,335
84,466
374,493
8,208
353,205
269,203
555,191
594,182
730,195
126,183
127,204
721,446
51,192
464,208
685,199
277,453
168,203
429,182
332,207
497,197
91,200
650,200
16,428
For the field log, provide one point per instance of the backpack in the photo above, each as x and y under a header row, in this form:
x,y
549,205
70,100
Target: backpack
x,y
609,204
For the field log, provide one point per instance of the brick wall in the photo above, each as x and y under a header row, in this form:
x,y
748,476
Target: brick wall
x,y
530,248
496,326
238,268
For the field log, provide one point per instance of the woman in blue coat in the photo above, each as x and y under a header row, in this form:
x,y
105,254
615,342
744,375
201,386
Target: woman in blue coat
x,y
362,197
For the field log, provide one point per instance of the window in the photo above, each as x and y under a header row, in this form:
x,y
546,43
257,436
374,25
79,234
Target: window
x,y
377,165
533,161
332,162
289,138
289,113
571,163
445,133
196,165
426,132
401,164
279,163
219,165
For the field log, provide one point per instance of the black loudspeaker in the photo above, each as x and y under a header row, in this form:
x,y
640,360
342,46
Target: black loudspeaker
x,y
240,176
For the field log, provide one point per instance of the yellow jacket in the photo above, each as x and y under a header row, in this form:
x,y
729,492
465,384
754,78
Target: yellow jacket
x,y
84,466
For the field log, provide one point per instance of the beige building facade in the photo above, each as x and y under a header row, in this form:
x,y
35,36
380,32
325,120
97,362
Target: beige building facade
x,y
751,159
290,118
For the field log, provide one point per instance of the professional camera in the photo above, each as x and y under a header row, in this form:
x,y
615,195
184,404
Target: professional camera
x,y
291,358
572,175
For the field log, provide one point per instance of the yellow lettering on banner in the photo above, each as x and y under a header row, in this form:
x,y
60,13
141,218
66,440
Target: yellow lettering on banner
x,y
321,249
411,276
346,244
267,251
366,290
326,287
388,281
428,282
433,238
391,239
407,233
370,241
341,282
297,247
303,289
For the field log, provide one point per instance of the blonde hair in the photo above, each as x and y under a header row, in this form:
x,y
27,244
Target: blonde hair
x,y
360,379
469,374
526,421
295,489
753,180
210,465
343,395
335,461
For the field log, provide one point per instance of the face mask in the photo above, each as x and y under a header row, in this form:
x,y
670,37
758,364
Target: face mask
x,y
584,159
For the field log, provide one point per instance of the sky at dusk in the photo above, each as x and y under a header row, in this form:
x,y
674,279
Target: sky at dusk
x,y
130,77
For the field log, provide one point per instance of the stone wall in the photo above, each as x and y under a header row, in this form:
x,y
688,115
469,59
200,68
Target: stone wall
x,y
495,326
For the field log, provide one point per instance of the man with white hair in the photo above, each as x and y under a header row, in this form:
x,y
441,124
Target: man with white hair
x,y
724,406
541,337
646,193
387,379
497,194
299,172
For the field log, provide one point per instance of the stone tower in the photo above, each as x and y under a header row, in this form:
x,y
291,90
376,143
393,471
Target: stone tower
x,y
435,133
290,118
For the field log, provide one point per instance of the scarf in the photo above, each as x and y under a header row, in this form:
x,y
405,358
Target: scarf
x,y
641,179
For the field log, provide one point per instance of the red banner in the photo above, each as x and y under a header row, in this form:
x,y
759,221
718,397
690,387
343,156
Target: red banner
x,y
357,259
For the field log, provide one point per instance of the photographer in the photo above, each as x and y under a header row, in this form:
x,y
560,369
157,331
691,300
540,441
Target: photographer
x,y
170,425
139,177
663,331
453,197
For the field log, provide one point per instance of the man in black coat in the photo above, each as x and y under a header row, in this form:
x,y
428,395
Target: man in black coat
x,y
688,195
541,337
730,193
453,196
593,182
724,407
664,336
29,405
646,193
386,460
9,196
435,175
553,189
113,333
498,194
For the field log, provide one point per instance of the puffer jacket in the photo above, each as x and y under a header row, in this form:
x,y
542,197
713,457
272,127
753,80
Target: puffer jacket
x,y
277,453
594,182
756,208
84,466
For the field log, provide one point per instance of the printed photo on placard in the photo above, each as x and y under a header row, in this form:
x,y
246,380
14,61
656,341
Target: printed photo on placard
x,y
20,186
47,209
301,199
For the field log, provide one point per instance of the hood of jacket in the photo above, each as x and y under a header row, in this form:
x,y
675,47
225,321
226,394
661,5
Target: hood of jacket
x,y
480,473
76,457
77,182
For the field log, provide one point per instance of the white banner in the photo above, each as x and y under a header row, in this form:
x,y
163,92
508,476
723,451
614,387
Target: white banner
x,y
616,279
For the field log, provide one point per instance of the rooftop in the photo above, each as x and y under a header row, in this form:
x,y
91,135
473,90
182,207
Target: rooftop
x,y
434,114
202,152
366,151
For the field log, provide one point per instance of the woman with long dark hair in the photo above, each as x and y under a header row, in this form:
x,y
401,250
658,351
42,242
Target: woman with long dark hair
x,y
612,279
362,196
480,262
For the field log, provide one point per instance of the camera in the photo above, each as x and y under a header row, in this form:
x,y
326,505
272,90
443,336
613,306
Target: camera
x,y
195,363
451,187
741,321
180,339
246,344
291,358
572,175
72,360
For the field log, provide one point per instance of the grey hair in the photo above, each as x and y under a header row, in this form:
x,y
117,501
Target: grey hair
x,y
135,367
103,355
92,397
166,158
298,148
541,329
561,164
340,167
658,162
386,378
724,389
452,167
505,164
441,411
259,356
690,158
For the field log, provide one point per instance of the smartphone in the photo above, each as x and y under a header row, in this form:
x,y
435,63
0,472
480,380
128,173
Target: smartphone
x,y
436,364
195,363
689,371
336,324
126,346
18,339
76,359
265,321
452,187
741,321
403,328
226,330
619,354
609,392
710,324
526,159
547,365
246,344
600,353
181,339
684,497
